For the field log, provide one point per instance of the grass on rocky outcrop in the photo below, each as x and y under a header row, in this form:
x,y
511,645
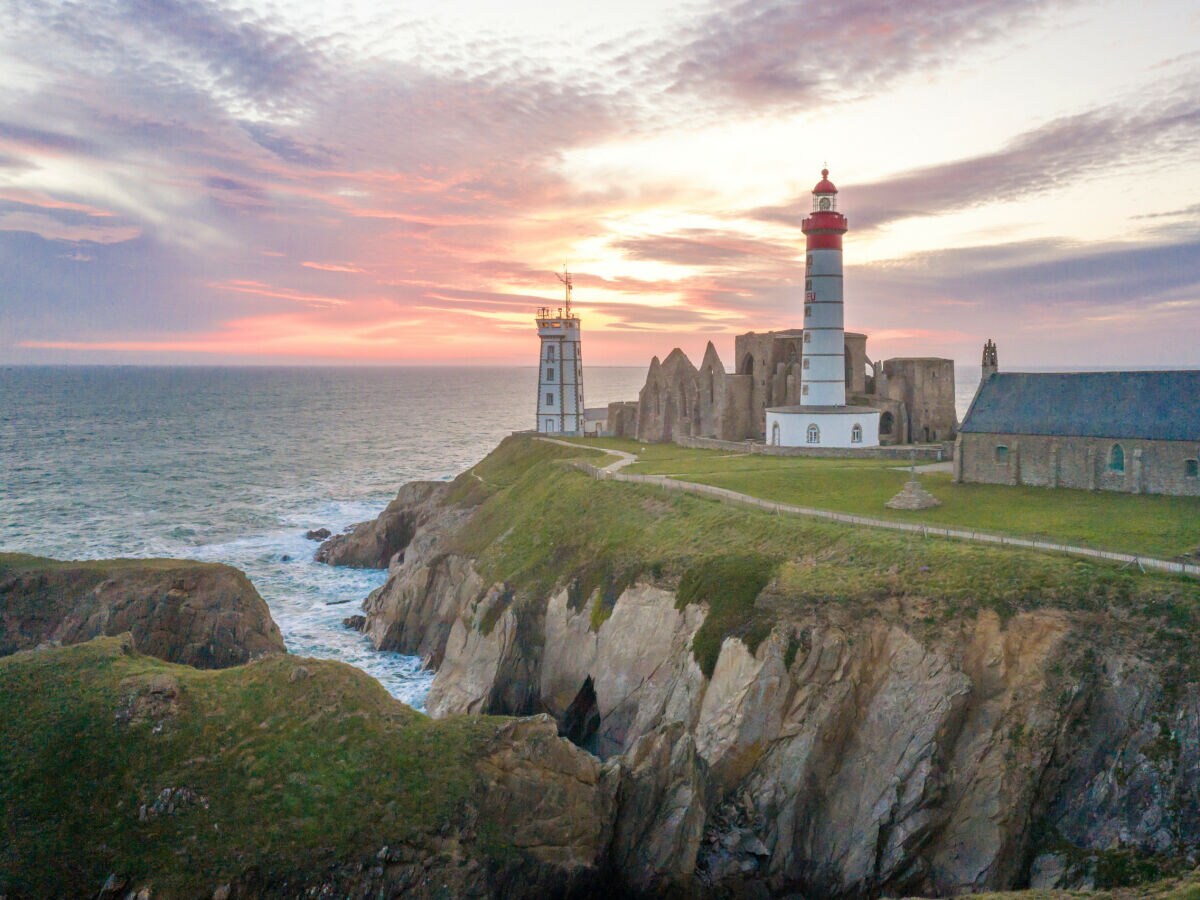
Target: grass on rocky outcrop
x,y
300,763
1146,524
543,524
102,568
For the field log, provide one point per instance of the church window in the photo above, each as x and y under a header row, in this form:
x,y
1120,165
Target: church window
x,y
550,352
549,374
775,435
1001,453
806,362
1191,468
814,434
856,434
549,399
1116,458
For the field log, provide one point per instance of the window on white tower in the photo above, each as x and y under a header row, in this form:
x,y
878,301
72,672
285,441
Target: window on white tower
x,y
807,337
550,352
549,399
549,374
806,362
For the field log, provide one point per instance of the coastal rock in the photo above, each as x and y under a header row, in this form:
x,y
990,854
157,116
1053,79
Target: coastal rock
x,y
373,544
660,812
554,798
318,534
198,614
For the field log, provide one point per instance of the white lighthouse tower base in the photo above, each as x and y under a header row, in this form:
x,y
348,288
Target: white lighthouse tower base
x,y
823,427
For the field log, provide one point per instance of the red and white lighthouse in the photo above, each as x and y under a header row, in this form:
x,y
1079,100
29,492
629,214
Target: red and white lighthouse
x,y
823,419
823,377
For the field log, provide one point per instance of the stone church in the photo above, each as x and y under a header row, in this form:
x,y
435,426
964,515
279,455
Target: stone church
x,y
915,396
1134,432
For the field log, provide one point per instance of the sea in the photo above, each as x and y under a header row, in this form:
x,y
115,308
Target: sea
x,y
235,464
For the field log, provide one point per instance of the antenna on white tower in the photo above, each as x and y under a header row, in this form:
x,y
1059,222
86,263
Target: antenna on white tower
x,y
565,278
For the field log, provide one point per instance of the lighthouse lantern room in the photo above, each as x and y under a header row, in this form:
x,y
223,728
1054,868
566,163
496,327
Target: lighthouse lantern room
x,y
560,368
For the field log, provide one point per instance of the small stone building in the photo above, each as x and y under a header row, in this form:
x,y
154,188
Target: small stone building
x,y
1137,432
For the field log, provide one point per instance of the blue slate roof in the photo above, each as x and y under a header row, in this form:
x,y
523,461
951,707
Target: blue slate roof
x,y
1160,406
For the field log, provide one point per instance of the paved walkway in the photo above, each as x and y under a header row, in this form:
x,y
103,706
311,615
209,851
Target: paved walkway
x,y
612,472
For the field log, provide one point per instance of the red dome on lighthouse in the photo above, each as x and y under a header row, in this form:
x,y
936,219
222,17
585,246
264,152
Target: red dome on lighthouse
x,y
824,186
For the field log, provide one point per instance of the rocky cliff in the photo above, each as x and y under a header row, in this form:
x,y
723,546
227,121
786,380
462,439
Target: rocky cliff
x,y
374,544
789,705
197,614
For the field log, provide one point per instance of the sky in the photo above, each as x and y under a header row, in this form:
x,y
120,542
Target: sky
x,y
367,183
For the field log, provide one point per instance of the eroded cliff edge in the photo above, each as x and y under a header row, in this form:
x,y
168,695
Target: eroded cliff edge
x,y
792,705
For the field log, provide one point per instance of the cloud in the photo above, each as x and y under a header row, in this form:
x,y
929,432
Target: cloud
x,y
1059,153
704,247
772,52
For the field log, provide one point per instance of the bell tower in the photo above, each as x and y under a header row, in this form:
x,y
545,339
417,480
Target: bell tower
x,y
990,365
560,368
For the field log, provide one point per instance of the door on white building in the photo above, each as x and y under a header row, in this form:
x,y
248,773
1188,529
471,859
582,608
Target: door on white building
x,y
551,425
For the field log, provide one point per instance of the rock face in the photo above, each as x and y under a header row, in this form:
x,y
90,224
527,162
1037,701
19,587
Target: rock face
x,y
853,752
198,614
372,545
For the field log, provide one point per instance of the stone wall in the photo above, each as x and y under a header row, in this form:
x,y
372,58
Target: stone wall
x,y
1151,467
923,453
623,419
926,387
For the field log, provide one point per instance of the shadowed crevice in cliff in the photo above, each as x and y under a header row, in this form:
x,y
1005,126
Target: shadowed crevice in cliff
x,y
581,721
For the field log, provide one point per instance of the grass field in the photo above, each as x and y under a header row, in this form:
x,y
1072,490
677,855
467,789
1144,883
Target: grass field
x,y
1167,527
540,524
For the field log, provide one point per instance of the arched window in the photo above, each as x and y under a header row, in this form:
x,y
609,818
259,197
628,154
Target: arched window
x,y
775,434
886,423
1001,453
856,434
1116,458
814,434
747,367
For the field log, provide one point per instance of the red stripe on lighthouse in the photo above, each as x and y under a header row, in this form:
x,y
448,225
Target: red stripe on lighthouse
x,y
824,242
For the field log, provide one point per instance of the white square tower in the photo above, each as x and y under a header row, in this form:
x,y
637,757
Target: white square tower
x,y
560,369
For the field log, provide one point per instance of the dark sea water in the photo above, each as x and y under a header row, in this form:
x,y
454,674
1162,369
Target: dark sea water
x,y
235,464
